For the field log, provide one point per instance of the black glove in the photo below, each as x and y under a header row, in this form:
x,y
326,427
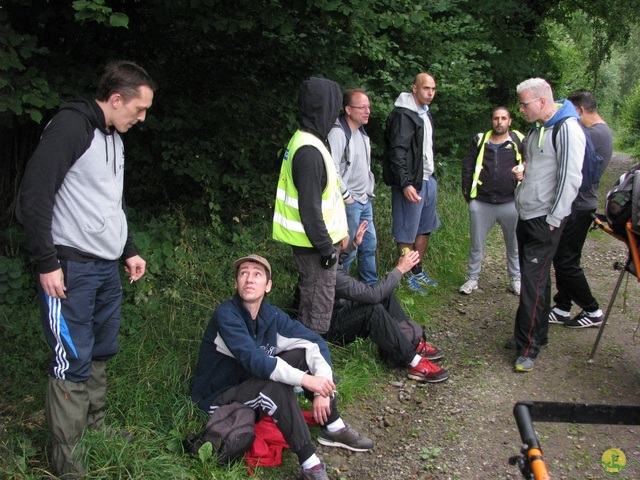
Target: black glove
x,y
328,261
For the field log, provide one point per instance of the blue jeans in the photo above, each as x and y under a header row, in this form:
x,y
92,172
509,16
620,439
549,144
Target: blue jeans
x,y
356,213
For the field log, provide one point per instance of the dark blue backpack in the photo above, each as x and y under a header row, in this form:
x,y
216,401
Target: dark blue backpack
x,y
592,163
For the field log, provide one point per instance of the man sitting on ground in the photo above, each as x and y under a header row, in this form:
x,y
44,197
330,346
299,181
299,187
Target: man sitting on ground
x,y
362,310
253,353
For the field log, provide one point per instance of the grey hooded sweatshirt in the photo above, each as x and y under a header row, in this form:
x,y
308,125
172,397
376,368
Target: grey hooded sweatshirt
x,y
70,200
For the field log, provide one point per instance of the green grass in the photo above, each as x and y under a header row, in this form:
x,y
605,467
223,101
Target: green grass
x,y
164,317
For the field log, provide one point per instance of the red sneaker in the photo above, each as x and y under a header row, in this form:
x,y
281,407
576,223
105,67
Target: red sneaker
x,y
426,371
429,351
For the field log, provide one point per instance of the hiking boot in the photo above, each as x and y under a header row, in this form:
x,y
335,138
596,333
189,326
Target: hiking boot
x,y
425,280
514,286
584,320
524,364
429,351
469,286
428,372
413,284
316,473
555,317
346,437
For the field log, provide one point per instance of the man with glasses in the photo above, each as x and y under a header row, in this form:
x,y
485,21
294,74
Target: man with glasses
x,y
408,167
351,153
549,184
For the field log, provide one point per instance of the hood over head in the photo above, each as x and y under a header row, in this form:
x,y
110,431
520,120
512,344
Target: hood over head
x,y
319,102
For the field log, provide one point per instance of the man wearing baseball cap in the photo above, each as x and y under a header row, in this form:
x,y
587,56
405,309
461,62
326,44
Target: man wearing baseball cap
x,y
253,353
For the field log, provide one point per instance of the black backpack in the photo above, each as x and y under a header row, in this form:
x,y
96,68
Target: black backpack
x,y
592,163
623,201
230,430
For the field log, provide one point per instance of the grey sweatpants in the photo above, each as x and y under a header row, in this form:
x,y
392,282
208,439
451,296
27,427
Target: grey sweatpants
x,y
482,217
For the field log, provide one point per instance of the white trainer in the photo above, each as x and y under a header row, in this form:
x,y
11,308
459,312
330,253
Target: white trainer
x,y
515,286
469,286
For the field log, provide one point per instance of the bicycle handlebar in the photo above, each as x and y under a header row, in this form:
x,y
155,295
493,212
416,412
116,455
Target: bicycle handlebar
x,y
533,465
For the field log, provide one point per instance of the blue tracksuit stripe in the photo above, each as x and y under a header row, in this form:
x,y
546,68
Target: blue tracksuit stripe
x,y
60,330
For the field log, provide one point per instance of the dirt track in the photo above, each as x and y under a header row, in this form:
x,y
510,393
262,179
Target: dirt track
x,y
464,428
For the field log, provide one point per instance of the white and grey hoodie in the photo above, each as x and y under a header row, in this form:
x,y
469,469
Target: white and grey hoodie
x,y
552,178
71,198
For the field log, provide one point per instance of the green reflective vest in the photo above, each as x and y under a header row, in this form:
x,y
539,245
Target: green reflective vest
x,y
482,141
287,226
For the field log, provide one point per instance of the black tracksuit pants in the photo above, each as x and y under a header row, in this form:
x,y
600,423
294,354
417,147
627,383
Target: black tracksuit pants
x,y
571,282
279,401
537,245
378,321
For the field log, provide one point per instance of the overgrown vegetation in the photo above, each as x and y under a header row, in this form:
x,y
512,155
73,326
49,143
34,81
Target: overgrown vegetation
x,y
229,75
164,316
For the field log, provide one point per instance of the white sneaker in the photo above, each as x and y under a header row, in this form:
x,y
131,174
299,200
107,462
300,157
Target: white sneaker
x,y
469,286
515,286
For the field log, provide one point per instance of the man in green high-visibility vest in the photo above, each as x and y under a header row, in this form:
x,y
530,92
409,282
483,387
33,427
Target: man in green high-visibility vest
x,y
309,211
488,186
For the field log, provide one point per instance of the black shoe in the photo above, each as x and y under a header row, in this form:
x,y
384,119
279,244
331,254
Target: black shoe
x,y
584,320
557,318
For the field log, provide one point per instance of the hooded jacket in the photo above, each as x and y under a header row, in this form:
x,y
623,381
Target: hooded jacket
x,y
71,198
319,102
404,144
552,178
231,351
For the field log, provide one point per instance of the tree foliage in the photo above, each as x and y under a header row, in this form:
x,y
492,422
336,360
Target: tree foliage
x,y
229,74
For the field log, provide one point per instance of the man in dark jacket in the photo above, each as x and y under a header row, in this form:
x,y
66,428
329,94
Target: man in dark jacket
x,y
408,168
71,205
362,310
253,353
309,211
487,186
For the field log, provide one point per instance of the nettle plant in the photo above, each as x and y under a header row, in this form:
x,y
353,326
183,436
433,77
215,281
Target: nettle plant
x,y
12,281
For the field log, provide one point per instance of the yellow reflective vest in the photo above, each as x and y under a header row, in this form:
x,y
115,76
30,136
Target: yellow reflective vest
x,y
482,141
287,226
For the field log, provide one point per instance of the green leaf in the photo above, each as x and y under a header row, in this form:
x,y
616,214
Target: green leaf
x,y
36,115
205,452
119,20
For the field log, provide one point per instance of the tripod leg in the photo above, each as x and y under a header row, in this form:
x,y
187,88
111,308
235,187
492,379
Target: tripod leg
x,y
606,315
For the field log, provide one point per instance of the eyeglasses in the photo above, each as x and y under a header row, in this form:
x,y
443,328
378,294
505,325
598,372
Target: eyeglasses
x,y
361,107
524,104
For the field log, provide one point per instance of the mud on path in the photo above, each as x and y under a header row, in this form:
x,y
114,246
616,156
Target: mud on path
x,y
464,428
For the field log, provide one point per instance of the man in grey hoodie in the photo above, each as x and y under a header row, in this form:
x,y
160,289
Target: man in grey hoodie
x,y
408,167
549,185
72,208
